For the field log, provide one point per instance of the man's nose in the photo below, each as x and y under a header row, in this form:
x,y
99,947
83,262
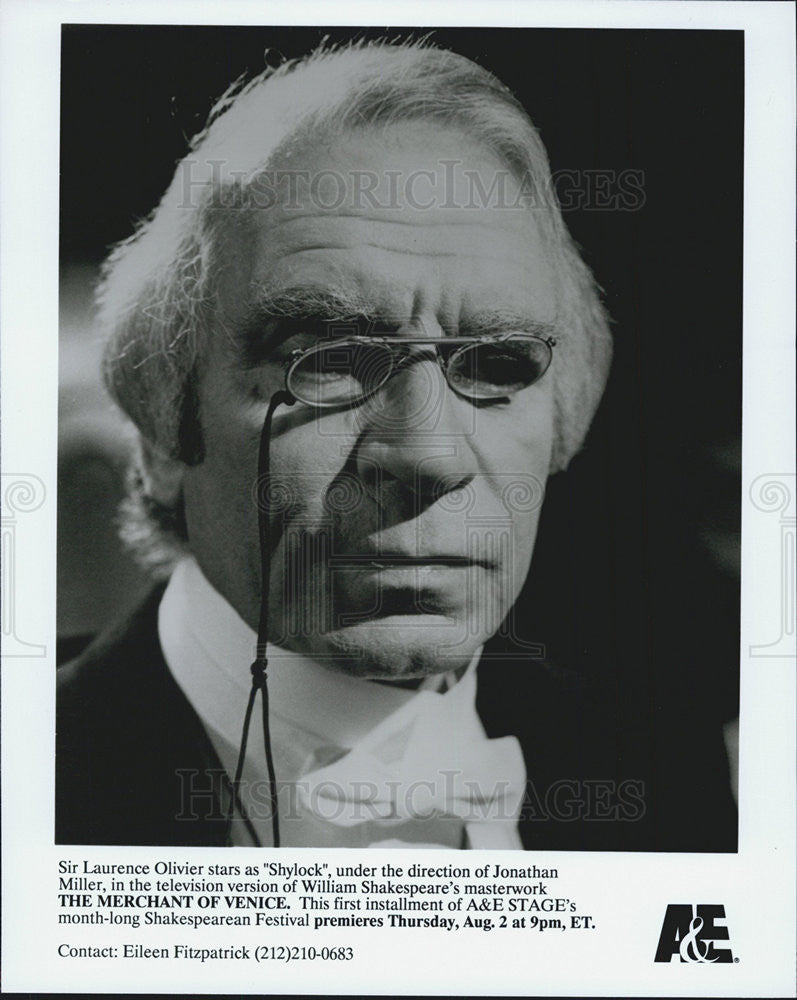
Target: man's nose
x,y
416,432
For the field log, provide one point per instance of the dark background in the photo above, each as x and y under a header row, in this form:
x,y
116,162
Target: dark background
x,y
635,577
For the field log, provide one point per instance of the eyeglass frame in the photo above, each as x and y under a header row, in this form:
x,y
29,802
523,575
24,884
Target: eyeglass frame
x,y
461,342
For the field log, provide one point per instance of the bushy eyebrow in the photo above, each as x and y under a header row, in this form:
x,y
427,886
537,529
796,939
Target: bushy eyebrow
x,y
303,301
483,322
268,316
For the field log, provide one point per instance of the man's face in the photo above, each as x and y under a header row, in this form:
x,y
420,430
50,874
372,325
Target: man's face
x,y
404,525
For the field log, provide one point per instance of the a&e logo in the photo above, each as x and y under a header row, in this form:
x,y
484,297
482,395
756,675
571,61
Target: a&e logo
x,y
692,933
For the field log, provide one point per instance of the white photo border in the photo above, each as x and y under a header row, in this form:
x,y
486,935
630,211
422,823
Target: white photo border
x,y
757,884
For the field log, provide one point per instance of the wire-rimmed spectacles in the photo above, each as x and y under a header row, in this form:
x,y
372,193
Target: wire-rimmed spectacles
x,y
348,371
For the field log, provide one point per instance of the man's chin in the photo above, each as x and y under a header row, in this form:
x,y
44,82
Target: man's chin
x,y
398,647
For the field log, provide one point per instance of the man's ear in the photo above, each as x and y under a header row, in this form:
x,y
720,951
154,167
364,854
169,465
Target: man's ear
x,y
161,474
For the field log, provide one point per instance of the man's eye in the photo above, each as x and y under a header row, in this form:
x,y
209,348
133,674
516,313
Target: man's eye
x,y
290,335
298,340
341,372
274,343
333,362
492,370
366,363
499,368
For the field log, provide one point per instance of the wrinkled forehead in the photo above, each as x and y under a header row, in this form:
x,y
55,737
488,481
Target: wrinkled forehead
x,y
403,219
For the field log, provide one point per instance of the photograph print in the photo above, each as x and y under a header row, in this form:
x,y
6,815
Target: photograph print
x,y
399,437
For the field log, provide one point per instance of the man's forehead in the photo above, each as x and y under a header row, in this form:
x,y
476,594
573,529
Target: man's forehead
x,y
392,265
443,240
434,231
409,170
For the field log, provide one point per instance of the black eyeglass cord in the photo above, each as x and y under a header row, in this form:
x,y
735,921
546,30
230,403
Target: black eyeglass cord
x,y
260,665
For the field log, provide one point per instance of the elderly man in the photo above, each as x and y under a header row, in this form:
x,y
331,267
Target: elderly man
x,y
355,339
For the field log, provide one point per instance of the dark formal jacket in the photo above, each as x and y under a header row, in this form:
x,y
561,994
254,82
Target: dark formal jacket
x,y
135,766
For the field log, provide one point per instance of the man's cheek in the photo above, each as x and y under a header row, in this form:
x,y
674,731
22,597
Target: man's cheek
x,y
299,591
519,551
